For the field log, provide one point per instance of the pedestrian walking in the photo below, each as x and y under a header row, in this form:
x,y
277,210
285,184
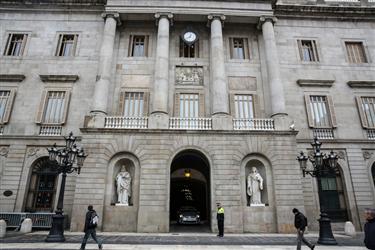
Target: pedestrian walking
x,y
91,221
220,219
300,222
370,228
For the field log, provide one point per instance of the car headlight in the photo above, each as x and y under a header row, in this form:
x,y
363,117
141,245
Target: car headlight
x,y
181,216
198,216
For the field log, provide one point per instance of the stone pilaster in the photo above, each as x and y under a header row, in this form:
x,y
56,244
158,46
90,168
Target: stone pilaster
x,y
105,65
219,89
159,107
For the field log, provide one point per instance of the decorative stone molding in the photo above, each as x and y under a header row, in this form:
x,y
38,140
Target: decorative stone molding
x,y
212,17
315,83
341,155
168,15
361,84
4,151
367,154
113,15
264,19
12,78
32,151
59,78
189,75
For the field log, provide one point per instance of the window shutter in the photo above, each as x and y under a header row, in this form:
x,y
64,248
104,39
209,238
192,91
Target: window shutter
x,y
59,45
299,42
130,49
177,104
246,48
6,51
42,105
24,40
75,42
232,105
231,47
315,50
121,104
256,106
146,45
66,106
202,112
8,108
146,97
332,111
361,112
310,119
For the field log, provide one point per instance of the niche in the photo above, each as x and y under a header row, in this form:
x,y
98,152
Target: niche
x,y
256,180
120,166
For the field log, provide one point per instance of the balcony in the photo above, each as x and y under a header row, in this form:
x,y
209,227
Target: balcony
x,y
253,124
323,133
371,134
50,130
120,122
195,123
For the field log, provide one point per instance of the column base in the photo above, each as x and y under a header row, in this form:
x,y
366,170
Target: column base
x,y
94,120
282,121
222,122
158,120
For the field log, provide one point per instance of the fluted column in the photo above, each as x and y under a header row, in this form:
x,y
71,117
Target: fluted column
x,y
105,64
273,67
219,88
161,80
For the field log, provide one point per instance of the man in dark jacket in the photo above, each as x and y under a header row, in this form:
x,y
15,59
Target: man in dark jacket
x,y
220,219
300,222
90,228
370,229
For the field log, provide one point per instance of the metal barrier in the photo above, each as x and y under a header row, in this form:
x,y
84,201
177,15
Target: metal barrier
x,y
40,220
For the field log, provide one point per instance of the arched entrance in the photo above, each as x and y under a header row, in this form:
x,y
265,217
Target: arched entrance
x,y
190,193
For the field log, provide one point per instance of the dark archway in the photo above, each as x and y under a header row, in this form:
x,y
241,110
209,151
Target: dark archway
x,y
190,187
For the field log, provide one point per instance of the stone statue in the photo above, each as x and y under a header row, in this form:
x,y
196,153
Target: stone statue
x,y
254,186
123,182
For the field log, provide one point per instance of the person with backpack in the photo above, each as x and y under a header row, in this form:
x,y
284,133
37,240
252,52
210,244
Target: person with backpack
x,y
91,222
300,222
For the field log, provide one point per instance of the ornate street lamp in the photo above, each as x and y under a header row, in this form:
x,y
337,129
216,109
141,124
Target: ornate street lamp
x,y
322,165
65,160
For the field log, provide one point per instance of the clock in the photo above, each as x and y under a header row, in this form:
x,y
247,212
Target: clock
x,y
189,37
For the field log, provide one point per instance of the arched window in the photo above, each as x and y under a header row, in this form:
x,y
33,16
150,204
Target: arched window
x,y
42,187
332,196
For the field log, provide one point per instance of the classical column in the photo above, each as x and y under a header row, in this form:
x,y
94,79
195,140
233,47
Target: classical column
x,y
219,88
159,106
273,68
100,99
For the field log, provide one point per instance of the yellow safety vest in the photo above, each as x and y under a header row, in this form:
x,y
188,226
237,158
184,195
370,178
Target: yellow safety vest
x,y
220,210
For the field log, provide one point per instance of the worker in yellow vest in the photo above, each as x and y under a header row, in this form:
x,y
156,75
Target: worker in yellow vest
x,y
220,219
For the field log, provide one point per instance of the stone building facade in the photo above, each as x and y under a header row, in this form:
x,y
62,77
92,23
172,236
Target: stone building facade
x,y
209,88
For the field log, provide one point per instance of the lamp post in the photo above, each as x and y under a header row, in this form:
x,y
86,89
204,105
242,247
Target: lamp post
x,y
66,160
322,165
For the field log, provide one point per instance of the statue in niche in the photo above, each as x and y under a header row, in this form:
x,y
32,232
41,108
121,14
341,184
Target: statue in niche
x,y
123,182
254,187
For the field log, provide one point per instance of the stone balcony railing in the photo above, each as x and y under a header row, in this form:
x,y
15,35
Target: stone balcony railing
x,y
50,130
195,123
371,134
253,124
121,122
323,133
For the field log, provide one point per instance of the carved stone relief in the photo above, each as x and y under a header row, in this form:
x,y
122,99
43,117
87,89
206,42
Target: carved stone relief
x,y
367,154
4,151
32,151
189,75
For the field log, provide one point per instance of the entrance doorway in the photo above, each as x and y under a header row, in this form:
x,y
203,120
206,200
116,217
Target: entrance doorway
x,y
190,193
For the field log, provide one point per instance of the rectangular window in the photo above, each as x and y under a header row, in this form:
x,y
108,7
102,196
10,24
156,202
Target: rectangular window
x,y
54,108
4,100
356,52
67,45
308,50
133,104
189,50
239,48
15,45
138,49
189,105
244,107
320,111
368,106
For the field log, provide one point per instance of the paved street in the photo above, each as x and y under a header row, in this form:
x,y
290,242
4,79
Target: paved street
x,y
205,241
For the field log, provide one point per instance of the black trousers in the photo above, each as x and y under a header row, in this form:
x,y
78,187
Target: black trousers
x,y
220,225
92,232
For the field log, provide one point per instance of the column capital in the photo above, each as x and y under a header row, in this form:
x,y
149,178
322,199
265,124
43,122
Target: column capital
x,y
212,17
167,15
264,19
114,15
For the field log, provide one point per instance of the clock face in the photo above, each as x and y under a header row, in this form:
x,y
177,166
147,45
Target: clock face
x,y
190,36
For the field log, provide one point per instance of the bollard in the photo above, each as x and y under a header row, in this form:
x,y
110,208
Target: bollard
x,y
349,229
3,228
26,226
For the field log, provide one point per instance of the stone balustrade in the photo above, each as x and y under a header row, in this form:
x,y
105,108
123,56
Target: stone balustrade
x,y
371,134
253,124
120,122
50,130
197,123
323,133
